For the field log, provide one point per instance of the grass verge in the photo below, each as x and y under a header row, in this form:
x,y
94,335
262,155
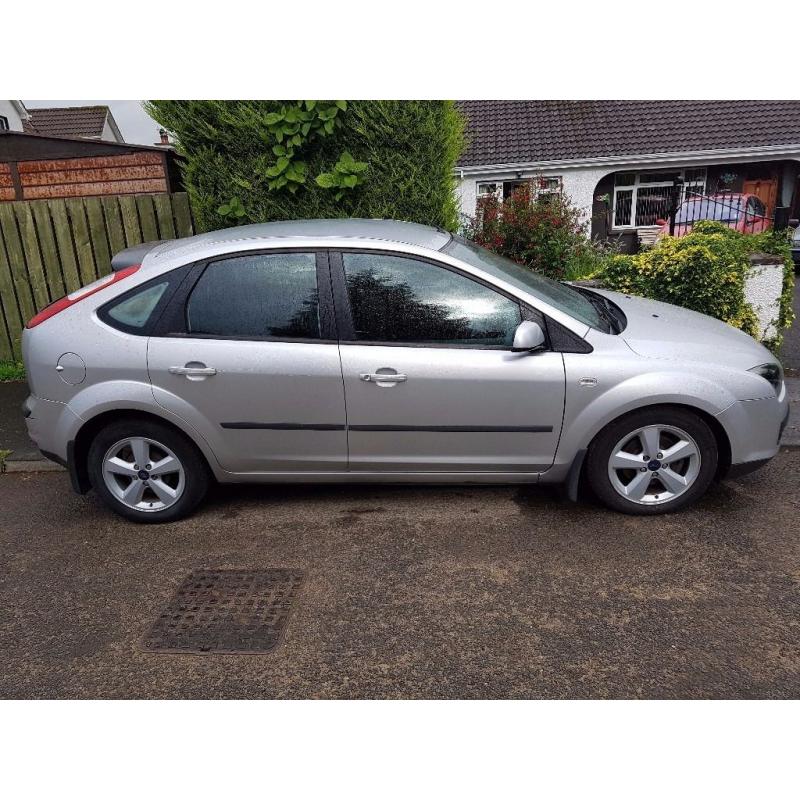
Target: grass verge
x,y
11,371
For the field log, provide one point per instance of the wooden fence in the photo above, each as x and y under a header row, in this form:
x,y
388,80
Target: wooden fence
x,y
49,248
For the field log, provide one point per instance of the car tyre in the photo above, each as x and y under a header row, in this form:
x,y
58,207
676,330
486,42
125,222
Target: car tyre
x,y
175,485
670,483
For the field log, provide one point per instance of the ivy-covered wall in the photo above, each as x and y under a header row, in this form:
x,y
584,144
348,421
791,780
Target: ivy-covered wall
x,y
261,160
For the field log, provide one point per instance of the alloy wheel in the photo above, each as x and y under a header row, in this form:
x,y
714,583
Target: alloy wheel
x,y
654,464
143,474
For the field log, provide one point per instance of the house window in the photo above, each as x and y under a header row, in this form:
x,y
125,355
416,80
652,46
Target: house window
x,y
643,198
509,187
493,189
4,124
541,187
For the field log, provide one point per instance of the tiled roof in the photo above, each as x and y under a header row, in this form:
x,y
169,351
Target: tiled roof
x,y
521,131
81,121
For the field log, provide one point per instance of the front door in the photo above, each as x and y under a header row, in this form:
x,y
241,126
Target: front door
x,y
255,366
430,381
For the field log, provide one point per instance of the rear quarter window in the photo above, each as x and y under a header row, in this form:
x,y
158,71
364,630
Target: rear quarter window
x,y
137,310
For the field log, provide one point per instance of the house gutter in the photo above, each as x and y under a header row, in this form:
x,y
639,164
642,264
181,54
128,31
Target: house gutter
x,y
689,156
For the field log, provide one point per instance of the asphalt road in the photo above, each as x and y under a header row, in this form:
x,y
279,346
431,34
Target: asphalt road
x,y
415,593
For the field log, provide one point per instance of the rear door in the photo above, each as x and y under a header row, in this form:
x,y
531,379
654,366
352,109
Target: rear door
x,y
247,355
431,382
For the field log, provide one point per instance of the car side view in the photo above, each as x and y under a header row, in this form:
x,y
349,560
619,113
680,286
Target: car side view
x,y
380,351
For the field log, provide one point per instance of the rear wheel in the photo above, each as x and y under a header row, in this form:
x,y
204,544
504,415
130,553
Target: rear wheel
x,y
146,471
652,461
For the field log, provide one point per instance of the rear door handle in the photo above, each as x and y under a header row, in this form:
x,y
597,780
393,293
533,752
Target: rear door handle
x,y
383,377
200,372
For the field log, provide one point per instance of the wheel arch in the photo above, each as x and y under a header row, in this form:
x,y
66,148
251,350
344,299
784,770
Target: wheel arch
x,y
720,434
80,445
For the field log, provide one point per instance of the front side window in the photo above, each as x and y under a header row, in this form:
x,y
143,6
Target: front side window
x,y
397,299
257,296
4,123
558,295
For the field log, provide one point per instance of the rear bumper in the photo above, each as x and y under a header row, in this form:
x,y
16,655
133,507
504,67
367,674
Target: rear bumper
x,y
50,425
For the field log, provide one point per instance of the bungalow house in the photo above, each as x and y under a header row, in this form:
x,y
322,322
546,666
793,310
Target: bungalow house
x,y
84,122
621,161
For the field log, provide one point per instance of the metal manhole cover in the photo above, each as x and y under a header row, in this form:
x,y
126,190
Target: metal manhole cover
x,y
226,611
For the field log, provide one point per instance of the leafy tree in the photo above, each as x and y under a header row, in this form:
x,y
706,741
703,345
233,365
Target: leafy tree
x,y
259,160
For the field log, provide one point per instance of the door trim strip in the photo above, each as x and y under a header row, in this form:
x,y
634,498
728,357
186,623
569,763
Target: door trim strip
x,y
455,428
298,426
282,426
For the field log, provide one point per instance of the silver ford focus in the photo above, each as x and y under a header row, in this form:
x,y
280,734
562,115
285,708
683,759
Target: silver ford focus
x,y
379,351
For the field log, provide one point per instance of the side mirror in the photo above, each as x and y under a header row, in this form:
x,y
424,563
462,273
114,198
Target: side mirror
x,y
661,222
528,337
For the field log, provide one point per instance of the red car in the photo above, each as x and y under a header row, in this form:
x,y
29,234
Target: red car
x,y
742,212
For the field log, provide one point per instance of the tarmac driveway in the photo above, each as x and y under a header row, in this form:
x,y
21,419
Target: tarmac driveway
x,y
415,592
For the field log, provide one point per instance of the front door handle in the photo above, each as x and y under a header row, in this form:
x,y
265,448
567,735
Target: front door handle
x,y
382,377
191,371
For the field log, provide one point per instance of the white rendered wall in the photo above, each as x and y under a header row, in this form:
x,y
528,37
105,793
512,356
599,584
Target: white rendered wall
x,y
8,110
763,287
578,185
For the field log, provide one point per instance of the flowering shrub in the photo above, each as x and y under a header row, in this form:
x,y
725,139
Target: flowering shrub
x,y
546,234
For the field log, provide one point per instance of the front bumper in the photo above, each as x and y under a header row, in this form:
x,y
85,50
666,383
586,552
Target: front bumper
x,y
754,429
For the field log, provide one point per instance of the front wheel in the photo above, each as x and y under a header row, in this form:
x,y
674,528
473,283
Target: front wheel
x,y
146,471
653,461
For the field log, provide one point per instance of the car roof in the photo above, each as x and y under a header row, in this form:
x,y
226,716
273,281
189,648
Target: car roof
x,y
387,230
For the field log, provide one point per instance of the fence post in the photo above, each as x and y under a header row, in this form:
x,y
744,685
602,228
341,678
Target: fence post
x,y
677,186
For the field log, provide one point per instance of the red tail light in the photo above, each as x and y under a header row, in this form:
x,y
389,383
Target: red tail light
x,y
80,294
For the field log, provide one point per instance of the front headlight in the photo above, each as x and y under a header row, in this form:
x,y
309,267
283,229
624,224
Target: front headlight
x,y
771,373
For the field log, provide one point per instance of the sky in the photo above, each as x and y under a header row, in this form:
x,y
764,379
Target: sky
x,y
136,126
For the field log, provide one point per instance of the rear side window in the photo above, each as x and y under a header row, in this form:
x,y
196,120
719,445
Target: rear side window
x,y
136,309
397,299
256,297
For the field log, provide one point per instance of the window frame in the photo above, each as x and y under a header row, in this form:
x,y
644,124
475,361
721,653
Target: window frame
x,y
344,316
693,184
173,323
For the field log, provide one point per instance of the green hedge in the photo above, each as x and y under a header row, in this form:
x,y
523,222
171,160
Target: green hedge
x,y
254,161
705,270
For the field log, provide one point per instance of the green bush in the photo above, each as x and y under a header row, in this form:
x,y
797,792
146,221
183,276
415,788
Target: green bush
x,y
546,234
260,160
705,271
11,371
